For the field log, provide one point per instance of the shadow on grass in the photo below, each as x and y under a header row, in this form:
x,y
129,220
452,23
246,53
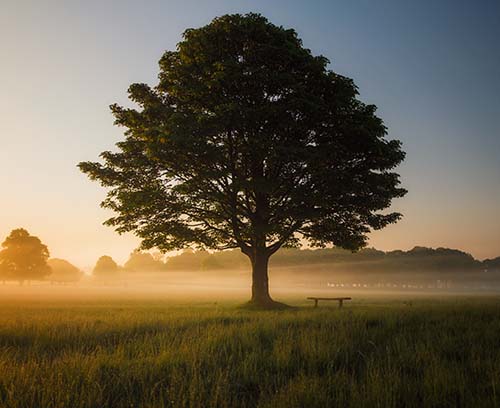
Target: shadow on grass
x,y
266,306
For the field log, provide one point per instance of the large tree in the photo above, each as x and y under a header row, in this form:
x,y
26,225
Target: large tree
x,y
24,257
248,141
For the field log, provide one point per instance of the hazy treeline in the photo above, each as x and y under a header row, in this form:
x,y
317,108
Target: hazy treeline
x,y
24,258
416,259
419,267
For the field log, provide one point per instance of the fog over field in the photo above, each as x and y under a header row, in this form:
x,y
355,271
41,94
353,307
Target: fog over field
x,y
214,277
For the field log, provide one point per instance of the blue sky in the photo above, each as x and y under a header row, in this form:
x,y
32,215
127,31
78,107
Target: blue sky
x,y
432,68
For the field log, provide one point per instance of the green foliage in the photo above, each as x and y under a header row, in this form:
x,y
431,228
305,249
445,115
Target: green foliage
x,y
105,268
248,141
153,354
63,271
23,257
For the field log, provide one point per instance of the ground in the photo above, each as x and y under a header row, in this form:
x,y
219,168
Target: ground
x,y
133,351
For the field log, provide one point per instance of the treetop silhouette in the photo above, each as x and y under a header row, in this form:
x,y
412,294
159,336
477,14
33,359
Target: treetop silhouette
x,y
105,268
143,261
63,271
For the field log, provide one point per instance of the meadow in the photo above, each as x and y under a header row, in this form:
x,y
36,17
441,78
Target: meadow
x,y
152,351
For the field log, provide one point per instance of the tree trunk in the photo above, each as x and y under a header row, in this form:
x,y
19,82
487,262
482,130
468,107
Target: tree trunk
x,y
260,280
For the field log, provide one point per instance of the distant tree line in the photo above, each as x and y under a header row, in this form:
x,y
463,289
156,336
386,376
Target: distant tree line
x,y
25,258
416,258
419,266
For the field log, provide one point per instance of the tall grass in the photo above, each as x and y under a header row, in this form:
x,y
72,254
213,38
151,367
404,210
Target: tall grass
x,y
154,354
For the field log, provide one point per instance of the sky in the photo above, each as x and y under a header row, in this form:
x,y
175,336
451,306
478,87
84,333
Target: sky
x,y
432,67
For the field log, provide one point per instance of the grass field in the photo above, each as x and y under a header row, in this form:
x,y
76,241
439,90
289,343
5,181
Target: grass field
x,y
133,352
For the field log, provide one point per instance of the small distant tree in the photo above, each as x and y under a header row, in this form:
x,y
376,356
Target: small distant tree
x,y
63,271
106,269
143,262
249,141
23,257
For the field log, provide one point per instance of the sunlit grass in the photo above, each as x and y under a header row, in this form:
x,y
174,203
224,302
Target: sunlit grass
x,y
154,353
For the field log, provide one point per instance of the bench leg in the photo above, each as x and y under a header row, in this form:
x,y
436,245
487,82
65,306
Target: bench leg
x,y
315,302
341,302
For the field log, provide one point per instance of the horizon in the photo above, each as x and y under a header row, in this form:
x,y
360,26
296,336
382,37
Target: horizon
x,y
435,84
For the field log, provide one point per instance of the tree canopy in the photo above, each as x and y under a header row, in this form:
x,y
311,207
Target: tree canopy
x,y
63,271
105,268
23,257
249,141
144,262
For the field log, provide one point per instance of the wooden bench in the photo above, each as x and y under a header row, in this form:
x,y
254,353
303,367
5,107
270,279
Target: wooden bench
x,y
338,299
